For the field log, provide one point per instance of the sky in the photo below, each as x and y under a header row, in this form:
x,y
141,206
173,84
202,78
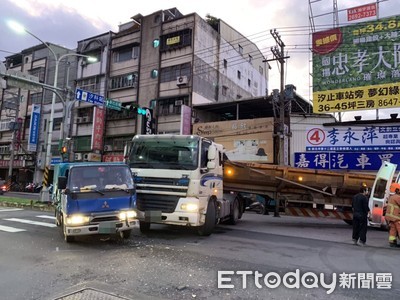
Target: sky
x,y
65,22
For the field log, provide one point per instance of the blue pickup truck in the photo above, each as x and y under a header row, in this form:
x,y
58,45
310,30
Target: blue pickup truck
x,y
94,198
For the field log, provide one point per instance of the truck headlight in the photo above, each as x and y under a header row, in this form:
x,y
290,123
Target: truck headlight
x,y
130,214
190,207
75,220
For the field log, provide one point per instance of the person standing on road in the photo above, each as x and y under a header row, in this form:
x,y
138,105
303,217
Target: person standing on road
x,y
392,215
361,214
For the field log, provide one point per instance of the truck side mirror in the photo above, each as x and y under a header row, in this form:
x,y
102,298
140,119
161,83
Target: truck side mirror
x,y
212,152
62,182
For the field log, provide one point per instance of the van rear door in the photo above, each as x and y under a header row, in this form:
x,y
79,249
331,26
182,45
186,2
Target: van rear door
x,y
380,193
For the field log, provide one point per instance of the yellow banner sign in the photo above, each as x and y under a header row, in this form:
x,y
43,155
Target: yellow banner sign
x,y
173,40
357,98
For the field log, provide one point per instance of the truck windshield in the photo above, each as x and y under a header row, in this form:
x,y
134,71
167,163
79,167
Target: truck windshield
x,y
96,178
167,153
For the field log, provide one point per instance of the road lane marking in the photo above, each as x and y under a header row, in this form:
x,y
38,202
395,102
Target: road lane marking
x,y
10,229
46,217
31,222
10,209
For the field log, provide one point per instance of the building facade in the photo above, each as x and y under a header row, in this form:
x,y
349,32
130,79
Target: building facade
x,y
165,62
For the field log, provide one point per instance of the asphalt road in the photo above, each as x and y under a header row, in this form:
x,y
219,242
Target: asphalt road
x,y
175,263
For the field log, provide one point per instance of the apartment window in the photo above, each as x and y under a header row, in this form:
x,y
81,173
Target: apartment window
x,y
94,54
90,84
224,90
157,19
225,63
177,39
35,98
57,123
39,72
261,70
123,81
239,74
250,58
240,49
82,143
171,106
85,114
249,82
171,73
126,53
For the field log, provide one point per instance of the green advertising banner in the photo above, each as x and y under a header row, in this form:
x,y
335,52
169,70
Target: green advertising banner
x,y
357,67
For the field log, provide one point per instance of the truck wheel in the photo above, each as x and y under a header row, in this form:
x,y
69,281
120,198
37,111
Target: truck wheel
x,y
144,226
234,216
261,210
207,228
126,234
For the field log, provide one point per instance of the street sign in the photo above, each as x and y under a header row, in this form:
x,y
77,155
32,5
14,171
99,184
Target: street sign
x,y
19,79
86,96
112,104
10,104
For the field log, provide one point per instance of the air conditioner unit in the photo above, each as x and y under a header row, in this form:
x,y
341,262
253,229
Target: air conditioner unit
x,y
85,119
25,157
178,102
78,156
85,157
78,120
107,147
181,80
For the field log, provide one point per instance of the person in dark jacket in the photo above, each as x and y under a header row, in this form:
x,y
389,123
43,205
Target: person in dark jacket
x,y
361,214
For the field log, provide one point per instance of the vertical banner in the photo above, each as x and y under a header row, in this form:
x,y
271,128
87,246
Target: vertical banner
x,y
98,128
186,120
34,128
147,122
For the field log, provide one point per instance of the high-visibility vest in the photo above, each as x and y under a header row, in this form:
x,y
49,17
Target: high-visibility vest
x,y
393,208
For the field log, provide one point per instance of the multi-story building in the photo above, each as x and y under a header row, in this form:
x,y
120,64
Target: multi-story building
x,y
17,104
165,62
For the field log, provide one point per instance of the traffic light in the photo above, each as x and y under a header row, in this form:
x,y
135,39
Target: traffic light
x,y
141,111
64,149
135,108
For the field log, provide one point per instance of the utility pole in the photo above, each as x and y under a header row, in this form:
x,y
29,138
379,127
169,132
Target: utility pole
x,y
15,127
278,55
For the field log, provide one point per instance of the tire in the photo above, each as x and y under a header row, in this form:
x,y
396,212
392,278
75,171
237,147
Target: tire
x,y
241,209
126,234
261,209
234,216
144,226
207,228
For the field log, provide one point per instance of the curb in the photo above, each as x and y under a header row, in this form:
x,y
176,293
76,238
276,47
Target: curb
x,y
32,205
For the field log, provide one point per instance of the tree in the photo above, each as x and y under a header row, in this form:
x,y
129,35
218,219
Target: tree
x,y
213,22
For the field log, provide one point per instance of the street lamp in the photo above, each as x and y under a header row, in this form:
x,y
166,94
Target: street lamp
x,y
21,29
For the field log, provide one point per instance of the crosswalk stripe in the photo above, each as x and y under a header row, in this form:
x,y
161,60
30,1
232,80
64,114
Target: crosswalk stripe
x,y
10,229
31,222
46,217
10,209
